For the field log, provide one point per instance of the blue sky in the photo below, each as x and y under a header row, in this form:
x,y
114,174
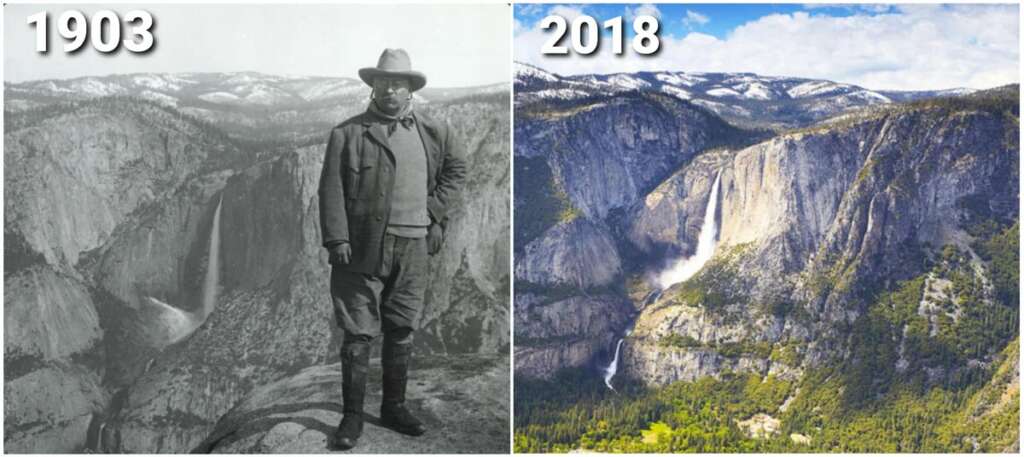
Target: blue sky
x,y
721,18
899,47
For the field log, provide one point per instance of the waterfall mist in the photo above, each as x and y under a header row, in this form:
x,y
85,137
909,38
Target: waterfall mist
x,y
175,323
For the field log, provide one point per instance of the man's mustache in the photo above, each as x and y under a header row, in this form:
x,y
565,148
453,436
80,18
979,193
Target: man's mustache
x,y
393,97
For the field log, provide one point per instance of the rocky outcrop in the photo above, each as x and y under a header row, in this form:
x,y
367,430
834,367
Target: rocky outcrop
x,y
610,151
597,156
577,253
760,426
48,316
468,295
79,173
176,402
568,308
463,401
661,366
570,332
74,173
50,408
667,221
810,220
51,373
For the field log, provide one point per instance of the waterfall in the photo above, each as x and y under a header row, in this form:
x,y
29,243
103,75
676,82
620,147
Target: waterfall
x,y
685,268
609,372
176,323
99,438
652,297
212,265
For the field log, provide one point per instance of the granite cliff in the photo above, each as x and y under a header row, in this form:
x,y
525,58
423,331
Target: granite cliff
x,y
816,221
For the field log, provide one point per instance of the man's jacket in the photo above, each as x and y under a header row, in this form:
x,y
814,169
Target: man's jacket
x,y
358,177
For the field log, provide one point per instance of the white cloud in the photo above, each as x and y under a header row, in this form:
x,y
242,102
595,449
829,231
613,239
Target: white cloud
x,y
914,47
568,12
693,17
646,9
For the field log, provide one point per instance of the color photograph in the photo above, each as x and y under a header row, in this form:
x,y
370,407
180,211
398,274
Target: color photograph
x,y
766,228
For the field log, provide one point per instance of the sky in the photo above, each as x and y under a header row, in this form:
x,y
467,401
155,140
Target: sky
x,y
883,47
454,45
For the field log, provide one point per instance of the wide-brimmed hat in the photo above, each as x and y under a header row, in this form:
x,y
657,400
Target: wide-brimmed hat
x,y
394,62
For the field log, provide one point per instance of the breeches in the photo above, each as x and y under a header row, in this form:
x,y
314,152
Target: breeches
x,y
388,302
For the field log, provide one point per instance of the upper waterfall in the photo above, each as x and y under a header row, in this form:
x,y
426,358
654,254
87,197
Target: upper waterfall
x,y
212,265
685,268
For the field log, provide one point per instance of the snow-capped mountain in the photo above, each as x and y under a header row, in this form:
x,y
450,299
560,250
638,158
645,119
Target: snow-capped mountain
x,y
745,98
185,89
248,105
241,89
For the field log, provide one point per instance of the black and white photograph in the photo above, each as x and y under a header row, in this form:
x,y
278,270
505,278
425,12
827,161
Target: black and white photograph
x,y
257,228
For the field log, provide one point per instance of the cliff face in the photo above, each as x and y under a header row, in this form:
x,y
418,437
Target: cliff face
x,y
578,175
661,224
576,253
137,356
554,333
51,378
813,222
468,297
603,166
73,175
565,314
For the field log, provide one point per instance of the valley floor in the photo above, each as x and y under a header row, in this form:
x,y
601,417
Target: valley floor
x,y
575,412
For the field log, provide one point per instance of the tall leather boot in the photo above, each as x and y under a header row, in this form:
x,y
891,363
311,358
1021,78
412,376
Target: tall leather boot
x,y
355,358
393,413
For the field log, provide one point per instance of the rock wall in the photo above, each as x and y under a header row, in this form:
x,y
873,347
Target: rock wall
x,y
818,217
604,154
73,174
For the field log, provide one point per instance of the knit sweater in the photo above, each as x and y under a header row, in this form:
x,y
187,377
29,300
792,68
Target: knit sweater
x,y
409,217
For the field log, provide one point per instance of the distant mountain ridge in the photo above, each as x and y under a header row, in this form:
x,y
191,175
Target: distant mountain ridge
x,y
742,98
240,89
248,106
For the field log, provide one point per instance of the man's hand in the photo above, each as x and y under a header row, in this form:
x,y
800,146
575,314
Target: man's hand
x,y
340,253
435,238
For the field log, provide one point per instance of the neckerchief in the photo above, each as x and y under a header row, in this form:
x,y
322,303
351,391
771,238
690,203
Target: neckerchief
x,y
404,117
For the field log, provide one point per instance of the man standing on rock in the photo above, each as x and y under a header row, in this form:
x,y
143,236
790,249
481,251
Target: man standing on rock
x,y
389,178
